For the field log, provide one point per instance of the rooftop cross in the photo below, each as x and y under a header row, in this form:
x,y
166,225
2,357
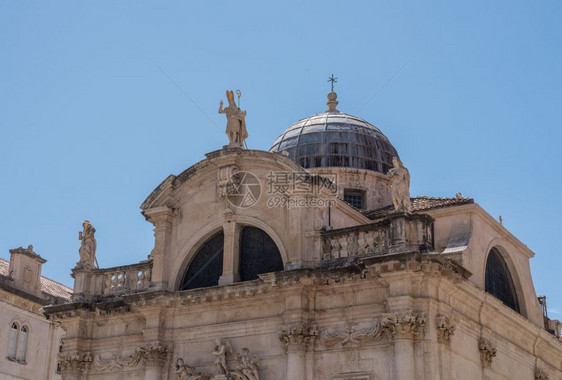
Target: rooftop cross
x,y
333,80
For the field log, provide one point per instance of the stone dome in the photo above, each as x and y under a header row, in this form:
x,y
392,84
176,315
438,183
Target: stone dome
x,y
336,139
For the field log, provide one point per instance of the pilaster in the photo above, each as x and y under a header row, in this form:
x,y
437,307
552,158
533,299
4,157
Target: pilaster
x,y
162,218
231,252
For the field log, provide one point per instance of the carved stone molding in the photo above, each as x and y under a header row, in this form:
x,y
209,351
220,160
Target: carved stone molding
x,y
355,335
113,363
152,354
298,336
487,351
444,329
227,181
403,325
74,362
541,374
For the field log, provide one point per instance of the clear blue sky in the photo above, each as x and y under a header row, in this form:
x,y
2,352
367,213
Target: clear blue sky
x,y
90,126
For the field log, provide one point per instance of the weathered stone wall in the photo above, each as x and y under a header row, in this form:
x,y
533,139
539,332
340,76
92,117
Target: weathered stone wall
x,y
413,318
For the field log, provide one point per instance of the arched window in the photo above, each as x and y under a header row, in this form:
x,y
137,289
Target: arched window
x,y
59,368
498,280
12,343
258,254
22,344
17,344
205,268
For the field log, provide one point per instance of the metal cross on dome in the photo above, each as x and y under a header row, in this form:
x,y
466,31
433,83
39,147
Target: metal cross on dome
x,y
333,80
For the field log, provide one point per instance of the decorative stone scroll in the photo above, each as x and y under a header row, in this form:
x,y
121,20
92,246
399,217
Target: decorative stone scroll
x,y
74,362
298,336
487,351
227,181
113,363
403,325
444,329
355,335
541,374
152,354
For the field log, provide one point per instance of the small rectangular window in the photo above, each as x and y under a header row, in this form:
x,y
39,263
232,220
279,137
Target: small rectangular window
x,y
356,198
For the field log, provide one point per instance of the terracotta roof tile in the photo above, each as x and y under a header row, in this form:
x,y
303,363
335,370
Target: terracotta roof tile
x,y
420,204
48,286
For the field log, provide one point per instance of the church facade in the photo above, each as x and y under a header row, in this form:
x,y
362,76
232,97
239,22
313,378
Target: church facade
x,y
309,261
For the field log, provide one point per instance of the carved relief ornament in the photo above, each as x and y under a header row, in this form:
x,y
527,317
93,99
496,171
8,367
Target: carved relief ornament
x,y
487,351
298,336
152,354
403,325
73,362
541,374
355,335
227,181
445,329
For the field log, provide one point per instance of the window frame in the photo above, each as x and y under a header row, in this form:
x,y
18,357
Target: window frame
x,y
18,342
510,294
355,193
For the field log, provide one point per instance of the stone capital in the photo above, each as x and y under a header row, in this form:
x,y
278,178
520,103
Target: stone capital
x,y
541,374
487,351
74,362
403,325
444,329
151,355
160,217
298,336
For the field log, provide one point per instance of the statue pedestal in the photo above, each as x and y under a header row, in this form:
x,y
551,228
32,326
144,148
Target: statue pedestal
x,y
82,283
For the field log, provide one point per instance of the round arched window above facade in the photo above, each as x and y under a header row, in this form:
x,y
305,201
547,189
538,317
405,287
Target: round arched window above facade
x,y
499,282
205,268
258,254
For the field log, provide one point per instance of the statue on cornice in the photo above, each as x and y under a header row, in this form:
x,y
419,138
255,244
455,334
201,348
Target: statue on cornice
x,y
400,186
88,246
235,121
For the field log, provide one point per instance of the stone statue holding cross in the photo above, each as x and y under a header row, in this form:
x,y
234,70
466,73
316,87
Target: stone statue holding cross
x,y
235,121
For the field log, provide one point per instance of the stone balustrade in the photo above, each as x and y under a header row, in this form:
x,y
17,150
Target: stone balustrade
x,y
94,283
397,233
123,279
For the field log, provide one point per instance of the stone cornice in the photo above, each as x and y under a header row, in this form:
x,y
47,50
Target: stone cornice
x,y
352,272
